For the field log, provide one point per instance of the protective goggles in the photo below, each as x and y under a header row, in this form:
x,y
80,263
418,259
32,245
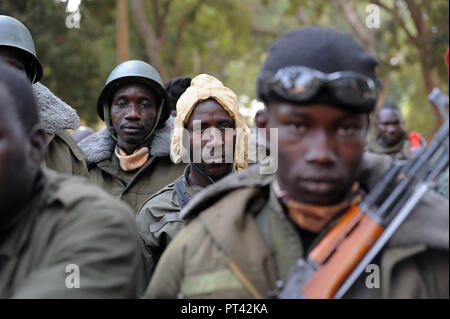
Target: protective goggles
x,y
302,84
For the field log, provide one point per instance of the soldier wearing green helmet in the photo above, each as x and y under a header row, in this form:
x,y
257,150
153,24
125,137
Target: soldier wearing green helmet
x,y
130,158
17,49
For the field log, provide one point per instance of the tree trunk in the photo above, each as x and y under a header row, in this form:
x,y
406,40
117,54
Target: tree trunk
x,y
188,17
423,46
422,43
122,31
153,44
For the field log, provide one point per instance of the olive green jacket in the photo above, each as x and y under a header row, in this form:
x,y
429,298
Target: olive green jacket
x,y
401,150
56,117
159,220
238,243
105,171
72,228
64,156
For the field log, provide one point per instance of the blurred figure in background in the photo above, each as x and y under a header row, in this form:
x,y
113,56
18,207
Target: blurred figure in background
x,y
175,88
258,149
389,136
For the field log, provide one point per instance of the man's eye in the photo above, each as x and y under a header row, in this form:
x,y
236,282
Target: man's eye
x,y
120,103
298,127
347,130
145,103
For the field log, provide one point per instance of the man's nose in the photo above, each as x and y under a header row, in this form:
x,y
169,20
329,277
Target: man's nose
x,y
133,112
392,128
321,150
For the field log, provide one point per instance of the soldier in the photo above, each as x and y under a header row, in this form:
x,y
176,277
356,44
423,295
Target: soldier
x,y
245,233
175,88
60,236
257,148
130,158
216,107
17,49
389,136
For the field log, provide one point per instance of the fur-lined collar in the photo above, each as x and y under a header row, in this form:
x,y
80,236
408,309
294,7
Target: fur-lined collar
x,y
55,114
100,146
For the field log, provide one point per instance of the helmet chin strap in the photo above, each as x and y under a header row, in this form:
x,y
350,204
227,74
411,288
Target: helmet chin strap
x,y
34,77
107,116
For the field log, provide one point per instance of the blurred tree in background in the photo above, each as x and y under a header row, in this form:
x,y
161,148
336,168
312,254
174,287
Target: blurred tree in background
x,y
69,59
229,39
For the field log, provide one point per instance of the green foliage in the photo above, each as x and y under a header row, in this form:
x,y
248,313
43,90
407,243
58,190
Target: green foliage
x,y
228,39
70,62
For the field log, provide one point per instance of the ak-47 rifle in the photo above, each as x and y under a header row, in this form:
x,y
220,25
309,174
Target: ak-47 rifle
x,y
339,258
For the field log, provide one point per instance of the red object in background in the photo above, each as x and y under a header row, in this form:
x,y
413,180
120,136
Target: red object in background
x,y
415,139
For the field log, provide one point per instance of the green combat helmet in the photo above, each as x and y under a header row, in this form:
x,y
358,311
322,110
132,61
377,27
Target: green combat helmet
x,y
14,34
129,72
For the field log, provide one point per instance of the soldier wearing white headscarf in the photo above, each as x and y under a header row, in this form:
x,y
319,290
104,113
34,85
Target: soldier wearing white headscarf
x,y
159,218
204,87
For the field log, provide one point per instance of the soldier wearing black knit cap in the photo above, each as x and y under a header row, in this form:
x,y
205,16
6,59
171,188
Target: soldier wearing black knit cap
x,y
246,232
175,87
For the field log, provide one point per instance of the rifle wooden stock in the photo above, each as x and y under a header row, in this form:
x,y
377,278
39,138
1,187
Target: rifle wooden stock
x,y
341,259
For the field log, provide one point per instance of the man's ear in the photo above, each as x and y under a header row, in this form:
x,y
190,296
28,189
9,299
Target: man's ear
x,y
262,122
262,118
38,143
366,133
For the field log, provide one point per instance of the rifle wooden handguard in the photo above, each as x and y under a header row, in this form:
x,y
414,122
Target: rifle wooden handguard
x,y
340,251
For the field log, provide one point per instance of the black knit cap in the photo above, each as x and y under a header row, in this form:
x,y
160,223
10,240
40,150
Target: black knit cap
x,y
320,48
175,87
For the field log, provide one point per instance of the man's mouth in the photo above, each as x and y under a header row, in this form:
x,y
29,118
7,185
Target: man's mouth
x,y
318,185
132,129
